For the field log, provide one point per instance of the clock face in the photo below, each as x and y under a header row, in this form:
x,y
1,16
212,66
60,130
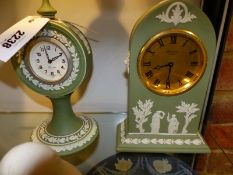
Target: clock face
x,y
172,62
56,61
48,60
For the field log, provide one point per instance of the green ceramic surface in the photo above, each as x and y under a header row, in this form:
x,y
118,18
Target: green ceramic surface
x,y
46,9
84,55
65,132
145,28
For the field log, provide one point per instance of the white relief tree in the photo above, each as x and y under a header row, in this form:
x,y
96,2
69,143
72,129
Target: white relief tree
x,y
141,112
189,110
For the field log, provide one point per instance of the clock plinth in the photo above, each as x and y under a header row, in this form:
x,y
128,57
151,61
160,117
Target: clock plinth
x,y
66,133
149,142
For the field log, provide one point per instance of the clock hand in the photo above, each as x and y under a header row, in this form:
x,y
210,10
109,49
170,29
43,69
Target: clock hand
x,y
46,53
168,77
158,67
56,57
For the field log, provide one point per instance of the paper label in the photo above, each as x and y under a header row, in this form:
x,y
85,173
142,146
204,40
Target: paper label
x,y
13,39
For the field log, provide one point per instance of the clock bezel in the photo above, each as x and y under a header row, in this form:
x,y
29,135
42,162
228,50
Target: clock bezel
x,y
28,50
177,91
81,56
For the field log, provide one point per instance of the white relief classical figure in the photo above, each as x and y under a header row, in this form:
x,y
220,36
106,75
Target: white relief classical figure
x,y
155,123
173,124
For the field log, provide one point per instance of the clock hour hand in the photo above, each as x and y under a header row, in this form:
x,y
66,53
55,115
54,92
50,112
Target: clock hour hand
x,y
165,65
54,58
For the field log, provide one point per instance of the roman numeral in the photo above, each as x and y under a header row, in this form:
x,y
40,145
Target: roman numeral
x,y
173,39
150,51
157,82
193,52
149,74
180,83
161,43
186,41
189,74
194,63
168,84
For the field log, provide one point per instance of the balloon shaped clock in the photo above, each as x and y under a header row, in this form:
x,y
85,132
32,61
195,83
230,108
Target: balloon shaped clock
x,y
55,62
172,56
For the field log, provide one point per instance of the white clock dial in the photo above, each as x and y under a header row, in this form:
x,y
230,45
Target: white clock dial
x,y
48,61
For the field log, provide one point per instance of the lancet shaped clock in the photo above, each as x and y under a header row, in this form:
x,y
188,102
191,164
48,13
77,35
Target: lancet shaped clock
x,y
172,56
54,63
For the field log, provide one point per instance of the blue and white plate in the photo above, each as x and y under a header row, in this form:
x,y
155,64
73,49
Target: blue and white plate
x,y
141,164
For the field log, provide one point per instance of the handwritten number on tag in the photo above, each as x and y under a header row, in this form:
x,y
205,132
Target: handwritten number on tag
x,y
9,42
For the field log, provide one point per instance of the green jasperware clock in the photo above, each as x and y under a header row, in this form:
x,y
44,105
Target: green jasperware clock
x,y
54,63
172,56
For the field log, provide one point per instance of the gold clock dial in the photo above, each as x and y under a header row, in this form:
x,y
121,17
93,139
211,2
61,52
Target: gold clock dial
x,y
172,62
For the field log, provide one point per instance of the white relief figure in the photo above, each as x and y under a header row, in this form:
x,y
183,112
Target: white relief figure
x,y
141,112
155,123
189,110
173,124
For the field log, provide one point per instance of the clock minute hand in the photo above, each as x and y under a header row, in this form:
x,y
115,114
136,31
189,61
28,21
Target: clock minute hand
x,y
46,53
169,73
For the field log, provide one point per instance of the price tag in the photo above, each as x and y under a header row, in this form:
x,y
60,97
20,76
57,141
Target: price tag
x,y
13,39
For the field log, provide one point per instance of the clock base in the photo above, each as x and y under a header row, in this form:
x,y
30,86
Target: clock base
x,y
67,144
159,143
66,133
